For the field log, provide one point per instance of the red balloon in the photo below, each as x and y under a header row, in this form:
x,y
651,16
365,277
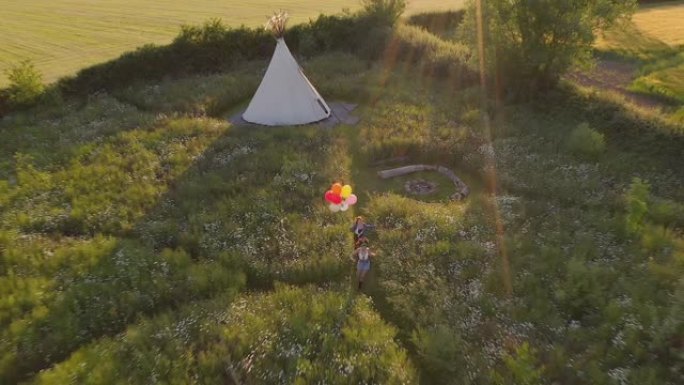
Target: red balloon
x,y
336,198
329,196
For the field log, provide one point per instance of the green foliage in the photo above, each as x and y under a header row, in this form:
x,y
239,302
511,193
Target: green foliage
x,y
667,213
576,281
637,198
176,347
294,336
130,282
663,80
443,24
26,84
125,237
339,75
214,47
203,49
521,368
431,55
404,125
384,11
530,44
586,143
212,95
329,336
441,353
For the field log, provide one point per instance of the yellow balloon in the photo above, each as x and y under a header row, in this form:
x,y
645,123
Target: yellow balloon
x,y
346,191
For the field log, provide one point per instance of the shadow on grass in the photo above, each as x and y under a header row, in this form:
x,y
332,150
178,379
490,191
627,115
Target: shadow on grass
x,y
238,209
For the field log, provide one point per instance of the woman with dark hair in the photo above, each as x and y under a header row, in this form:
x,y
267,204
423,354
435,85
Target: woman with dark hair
x,y
359,229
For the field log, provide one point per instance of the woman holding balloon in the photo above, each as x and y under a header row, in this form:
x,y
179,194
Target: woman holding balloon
x,y
359,229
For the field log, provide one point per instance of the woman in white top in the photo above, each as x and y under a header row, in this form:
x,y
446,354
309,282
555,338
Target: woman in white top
x,y
362,255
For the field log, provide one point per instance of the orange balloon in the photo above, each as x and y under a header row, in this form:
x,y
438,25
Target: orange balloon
x,y
336,188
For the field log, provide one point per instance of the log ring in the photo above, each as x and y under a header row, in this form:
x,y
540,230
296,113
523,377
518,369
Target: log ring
x,y
462,189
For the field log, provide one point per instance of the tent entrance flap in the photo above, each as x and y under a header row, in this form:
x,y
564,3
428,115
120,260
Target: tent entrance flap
x,y
320,103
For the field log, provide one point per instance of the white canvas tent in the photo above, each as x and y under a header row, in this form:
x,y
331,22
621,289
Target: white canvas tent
x,y
285,96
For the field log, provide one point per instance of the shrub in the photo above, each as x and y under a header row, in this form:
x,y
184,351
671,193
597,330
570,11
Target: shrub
x,y
531,44
432,55
586,143
441,352
26,84
213,47
360,34
209,48
667,213
443,24
521,368
637,205
384,11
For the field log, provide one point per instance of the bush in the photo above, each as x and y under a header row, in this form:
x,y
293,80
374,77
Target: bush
x,y
361,34
384,11
637,198
586,143
206,49
214,47
432,55
521,368
442,24
441,352
531,44
26,84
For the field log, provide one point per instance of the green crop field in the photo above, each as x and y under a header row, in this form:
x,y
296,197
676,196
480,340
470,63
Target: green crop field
x,y
64,36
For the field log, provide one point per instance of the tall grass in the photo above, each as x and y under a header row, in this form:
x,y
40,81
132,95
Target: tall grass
x,y
122,253
265,338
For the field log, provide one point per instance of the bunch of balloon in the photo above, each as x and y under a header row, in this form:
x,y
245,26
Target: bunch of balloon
x,y
340,197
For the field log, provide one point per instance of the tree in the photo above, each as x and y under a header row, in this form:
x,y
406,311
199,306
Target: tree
x,y
529,44
26,84
385,11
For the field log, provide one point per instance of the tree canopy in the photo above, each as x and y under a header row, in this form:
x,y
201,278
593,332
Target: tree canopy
x,y
529,44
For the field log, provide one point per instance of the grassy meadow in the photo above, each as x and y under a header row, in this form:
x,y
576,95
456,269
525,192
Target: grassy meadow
x,y
145,239
654,39
164,241
62,37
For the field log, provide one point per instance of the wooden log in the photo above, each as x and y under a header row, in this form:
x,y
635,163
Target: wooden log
x,y
404,170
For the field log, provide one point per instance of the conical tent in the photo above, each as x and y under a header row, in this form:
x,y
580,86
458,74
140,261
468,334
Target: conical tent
x,y
285,96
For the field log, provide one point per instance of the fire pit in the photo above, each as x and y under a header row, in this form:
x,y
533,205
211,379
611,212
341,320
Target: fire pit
x,y
420,187
423,187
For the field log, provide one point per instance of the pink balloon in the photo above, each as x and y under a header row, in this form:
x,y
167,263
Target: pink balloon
x,y
351,200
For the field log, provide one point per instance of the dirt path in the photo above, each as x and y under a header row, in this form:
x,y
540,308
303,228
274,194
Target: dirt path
x,y
614,76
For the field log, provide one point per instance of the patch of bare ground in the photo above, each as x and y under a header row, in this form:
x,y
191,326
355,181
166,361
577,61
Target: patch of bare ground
x,y
615,76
